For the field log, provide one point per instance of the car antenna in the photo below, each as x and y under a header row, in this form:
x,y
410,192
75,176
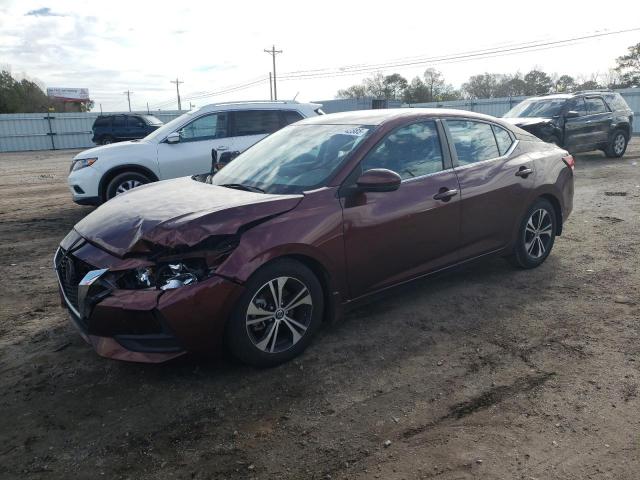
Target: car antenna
x,y
296,96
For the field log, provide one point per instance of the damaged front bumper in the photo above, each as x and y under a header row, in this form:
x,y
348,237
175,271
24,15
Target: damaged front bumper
x,y
148,325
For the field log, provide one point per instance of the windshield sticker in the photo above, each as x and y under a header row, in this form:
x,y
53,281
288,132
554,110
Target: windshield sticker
x,y
355,131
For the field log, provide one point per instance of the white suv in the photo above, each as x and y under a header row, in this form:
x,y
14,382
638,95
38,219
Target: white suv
x,y
181,147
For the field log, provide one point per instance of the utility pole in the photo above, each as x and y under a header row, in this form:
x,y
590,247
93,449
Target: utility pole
x,y
178,82
270,86
128,94
273,52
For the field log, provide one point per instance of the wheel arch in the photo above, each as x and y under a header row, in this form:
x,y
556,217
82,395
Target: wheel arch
x,y
555,203
129,167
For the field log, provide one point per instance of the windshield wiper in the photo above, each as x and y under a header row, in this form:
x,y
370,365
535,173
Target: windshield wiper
x,y
240,186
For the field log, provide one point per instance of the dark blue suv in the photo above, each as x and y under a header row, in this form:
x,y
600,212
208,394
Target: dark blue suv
x,y
116,128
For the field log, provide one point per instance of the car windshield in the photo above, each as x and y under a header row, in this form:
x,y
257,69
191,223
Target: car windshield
x,y
536,108
169,127
294,159
151,120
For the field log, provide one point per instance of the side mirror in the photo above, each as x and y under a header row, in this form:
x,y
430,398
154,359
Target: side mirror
x,y
571,114
173,137
379,180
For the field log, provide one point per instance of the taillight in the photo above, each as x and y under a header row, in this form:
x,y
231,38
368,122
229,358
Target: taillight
x,y
570,162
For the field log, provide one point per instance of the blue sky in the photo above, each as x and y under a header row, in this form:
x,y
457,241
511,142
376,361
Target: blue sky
x,y
110,47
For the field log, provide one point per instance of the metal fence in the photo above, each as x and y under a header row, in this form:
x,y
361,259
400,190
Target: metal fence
x,y
53,131
499,106
42,131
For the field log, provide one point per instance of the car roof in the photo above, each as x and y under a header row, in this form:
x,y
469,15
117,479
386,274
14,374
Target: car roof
x,y
380,116
261,104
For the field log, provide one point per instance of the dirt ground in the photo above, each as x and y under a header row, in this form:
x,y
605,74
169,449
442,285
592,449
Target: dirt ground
x,y
488,372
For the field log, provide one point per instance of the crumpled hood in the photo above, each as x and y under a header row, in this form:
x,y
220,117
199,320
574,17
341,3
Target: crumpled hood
x,y
525,122
176,213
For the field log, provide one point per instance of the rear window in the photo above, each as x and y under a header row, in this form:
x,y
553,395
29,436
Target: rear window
x,y
595,105
291,116
616,102
102,122
119,121
503,138
151,120
256,122
473,141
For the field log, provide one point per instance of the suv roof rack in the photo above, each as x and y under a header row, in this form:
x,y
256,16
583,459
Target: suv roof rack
x,y
594,90
242,102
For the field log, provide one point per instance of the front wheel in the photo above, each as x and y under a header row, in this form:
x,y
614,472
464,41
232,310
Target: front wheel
x,y
277,316
617,145
536,235
123,183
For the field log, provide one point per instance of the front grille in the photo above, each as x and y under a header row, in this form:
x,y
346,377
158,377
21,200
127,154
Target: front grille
x,y
70,271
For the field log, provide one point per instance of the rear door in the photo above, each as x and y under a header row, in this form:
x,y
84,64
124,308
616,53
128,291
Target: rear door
x,y
119,127
494,183
600,119
192,154
136,127
576,129
394,236
251,126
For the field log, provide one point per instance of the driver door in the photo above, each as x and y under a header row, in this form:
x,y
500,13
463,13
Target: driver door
x,y
192,154
395,236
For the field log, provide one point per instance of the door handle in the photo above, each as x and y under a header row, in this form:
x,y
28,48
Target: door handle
x,y
524,172
445,194
222,148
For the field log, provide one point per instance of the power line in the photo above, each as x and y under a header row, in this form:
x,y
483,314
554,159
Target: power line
x,y
468,55
128,94
177,82
273,52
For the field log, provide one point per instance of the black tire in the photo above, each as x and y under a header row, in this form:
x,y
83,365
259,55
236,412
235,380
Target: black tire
x,y
106,140
124,182
617,144
527,251
243,340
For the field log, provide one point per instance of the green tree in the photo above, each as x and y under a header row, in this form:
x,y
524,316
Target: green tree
x,y
565,84
629,67
537,83
484,85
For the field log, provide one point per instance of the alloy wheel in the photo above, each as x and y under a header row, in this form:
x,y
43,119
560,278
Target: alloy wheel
x,y
538,233
279,314
619,143
127,185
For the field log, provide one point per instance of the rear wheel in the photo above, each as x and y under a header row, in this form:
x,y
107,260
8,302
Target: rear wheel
x,y
106,140
617,145
124,182
277,316
536,235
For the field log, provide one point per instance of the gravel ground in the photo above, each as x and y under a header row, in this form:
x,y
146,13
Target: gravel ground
x,y
487,372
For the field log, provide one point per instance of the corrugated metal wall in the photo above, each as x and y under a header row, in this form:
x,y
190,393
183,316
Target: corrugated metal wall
x,y
40,131
499,106
351,104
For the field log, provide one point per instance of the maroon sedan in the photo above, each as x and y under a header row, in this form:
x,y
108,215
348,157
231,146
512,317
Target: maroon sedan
x,y
312,219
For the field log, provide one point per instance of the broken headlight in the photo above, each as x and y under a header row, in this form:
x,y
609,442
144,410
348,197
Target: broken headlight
x,y
166,276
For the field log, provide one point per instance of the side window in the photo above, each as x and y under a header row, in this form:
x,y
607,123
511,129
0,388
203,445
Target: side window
x,y
503,138
102,122
256,122
208,127
289,117
119,121
411,151
474,141
579,106
135,122
595,105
